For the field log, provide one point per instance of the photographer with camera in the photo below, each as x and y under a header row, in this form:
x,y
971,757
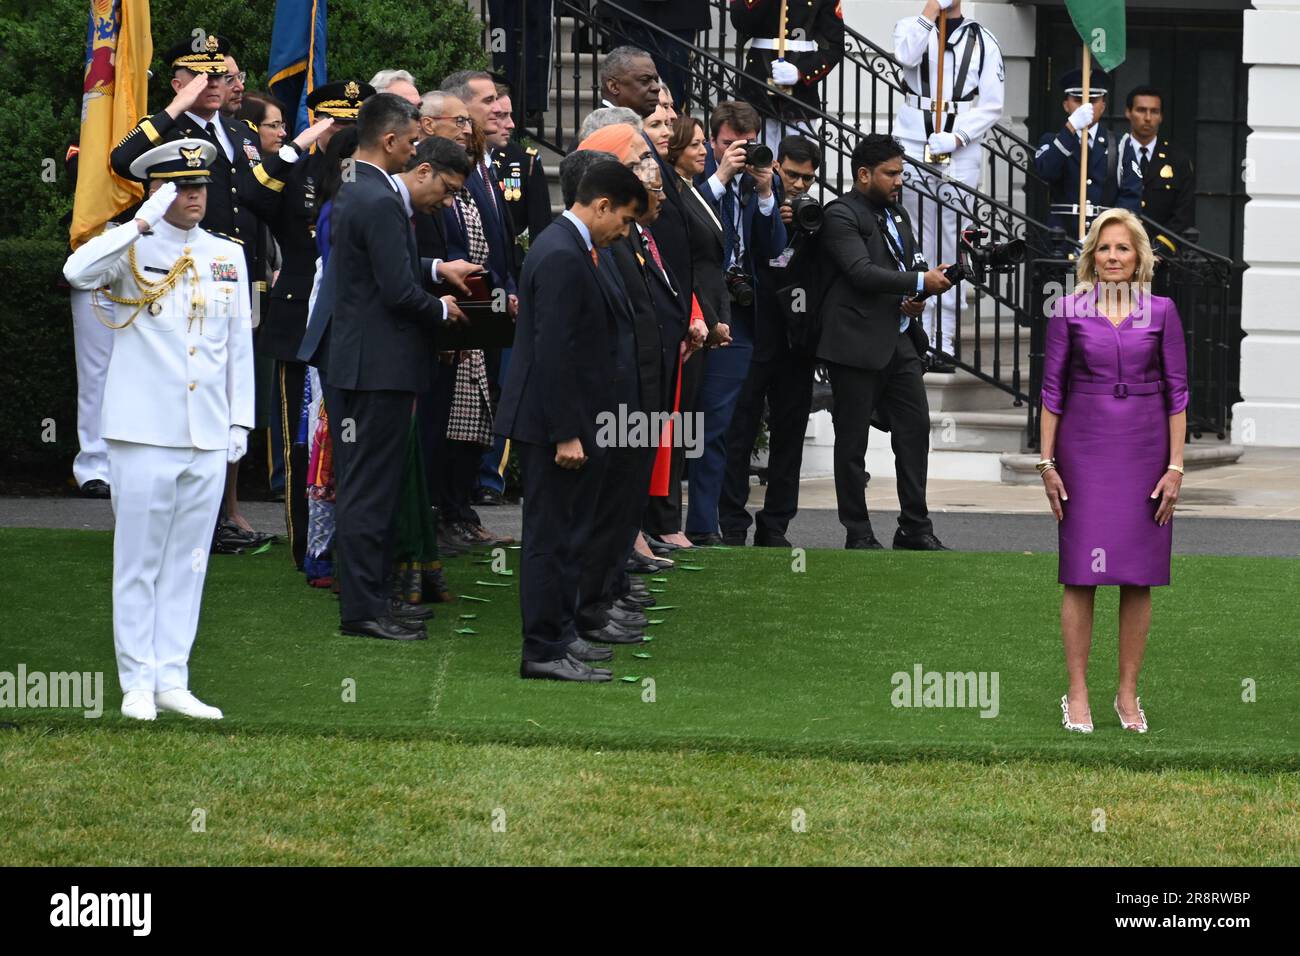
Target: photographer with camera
x,y
779,374
738,178
872,344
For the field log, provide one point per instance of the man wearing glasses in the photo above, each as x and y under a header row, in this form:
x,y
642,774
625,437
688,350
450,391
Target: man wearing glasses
x,y
779,375
234,81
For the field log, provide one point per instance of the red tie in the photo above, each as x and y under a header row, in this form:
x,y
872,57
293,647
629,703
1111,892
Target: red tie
x,y
654,249
595,260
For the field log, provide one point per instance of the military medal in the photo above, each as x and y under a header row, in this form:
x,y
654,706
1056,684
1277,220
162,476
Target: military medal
x,y
155,308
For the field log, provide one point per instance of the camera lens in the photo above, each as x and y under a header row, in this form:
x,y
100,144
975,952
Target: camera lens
x,y
758,155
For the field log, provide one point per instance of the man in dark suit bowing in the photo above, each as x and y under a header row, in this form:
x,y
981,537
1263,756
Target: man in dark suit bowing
x,y
565,371
379,355
872,344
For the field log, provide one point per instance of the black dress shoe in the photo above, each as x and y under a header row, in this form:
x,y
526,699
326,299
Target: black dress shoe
x,y
487,496
942,367
868,543
566,668
96,488
660,546
632,620
771,541
405,611
704,540
385,628
639,564
589,653
611,633
635,602
448,545
230,540
735,539
917,542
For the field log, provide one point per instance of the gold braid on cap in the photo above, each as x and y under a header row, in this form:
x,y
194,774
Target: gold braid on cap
x,y
152,292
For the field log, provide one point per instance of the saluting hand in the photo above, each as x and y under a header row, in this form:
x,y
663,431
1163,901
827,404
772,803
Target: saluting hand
x,y
312,133
187,95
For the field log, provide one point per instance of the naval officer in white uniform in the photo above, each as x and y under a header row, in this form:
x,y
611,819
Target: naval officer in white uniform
x,y
973,81
178,405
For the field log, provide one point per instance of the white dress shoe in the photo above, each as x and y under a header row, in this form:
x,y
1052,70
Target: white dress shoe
x,y
1140,725
181,701
1079,726
139,704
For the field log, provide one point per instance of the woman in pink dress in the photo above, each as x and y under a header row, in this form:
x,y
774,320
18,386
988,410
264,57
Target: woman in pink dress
x,y
1114,420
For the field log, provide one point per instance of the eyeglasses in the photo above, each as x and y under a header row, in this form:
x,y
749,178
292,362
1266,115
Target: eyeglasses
x,y
278,124
809,178
230,78
464,122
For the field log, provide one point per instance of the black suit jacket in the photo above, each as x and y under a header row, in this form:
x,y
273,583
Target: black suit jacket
x,y
863,285
292,222
648,338
563,367
381,331
707,247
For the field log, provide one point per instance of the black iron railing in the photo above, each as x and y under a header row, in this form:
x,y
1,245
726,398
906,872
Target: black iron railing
x,y
994,338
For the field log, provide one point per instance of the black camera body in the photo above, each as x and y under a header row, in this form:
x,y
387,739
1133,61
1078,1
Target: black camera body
x,y
758,155
740,286
983,256
806,213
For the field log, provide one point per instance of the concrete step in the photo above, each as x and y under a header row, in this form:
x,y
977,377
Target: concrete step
x,y
1018,469
962,392
978,431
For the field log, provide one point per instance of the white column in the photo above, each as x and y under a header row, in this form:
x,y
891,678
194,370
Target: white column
x,y
1270,353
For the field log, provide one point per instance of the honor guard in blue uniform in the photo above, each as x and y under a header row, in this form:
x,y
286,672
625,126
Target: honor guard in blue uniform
x,y
1057,157
291,178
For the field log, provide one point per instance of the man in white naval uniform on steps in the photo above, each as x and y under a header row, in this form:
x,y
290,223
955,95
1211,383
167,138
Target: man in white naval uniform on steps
x,y
973,93
178,405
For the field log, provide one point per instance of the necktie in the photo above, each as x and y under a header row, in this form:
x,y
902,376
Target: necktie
x,y
595,259
730,214
1142,164
654,249
487,185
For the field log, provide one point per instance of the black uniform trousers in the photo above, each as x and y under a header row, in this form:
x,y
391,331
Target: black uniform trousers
x,y
785,383
663,515
557,526
289,381
898,392
369,432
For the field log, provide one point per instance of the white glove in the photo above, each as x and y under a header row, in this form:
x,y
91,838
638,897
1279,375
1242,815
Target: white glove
x,y
784,73
944,5
941,144
156,205
1081,118
238,443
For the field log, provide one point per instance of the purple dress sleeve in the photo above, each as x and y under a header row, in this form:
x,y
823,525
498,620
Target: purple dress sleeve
x,y
1173,360
1056,360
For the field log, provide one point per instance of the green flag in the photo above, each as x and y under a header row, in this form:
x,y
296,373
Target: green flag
x,y
1101,26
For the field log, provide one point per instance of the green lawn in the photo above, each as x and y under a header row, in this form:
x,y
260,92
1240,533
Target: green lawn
x,y
772,690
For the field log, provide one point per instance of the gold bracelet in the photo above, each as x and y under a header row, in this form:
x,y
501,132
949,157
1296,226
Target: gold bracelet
x,y
1044,465
1177,468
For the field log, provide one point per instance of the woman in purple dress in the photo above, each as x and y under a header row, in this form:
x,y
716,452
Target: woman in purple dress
x,y
1114,419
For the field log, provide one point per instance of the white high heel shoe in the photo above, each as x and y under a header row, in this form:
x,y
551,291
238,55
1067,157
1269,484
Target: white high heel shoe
x,y
1140,725
1067,723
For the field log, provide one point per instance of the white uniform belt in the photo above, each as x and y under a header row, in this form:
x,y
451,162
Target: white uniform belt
x,y
1072,209
926,104
792,46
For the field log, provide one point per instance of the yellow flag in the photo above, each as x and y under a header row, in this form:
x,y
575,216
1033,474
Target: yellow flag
x,y
118,51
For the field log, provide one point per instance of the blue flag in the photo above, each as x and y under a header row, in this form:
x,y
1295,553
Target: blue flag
x,y
297,57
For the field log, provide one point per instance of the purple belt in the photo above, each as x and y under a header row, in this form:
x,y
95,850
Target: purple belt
x,y
1119,389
